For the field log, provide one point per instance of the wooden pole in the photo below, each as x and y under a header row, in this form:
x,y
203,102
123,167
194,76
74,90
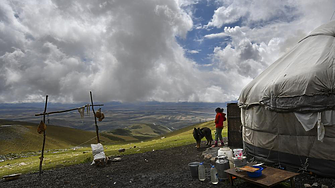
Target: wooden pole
x,y
57,112
42,155
95,119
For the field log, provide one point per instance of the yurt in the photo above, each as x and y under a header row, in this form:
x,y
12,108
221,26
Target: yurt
x,y
288,111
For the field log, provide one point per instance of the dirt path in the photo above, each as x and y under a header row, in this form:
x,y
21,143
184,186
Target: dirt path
x,y
163,168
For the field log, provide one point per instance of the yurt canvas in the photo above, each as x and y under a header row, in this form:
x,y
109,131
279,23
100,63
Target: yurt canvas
x,y
288,111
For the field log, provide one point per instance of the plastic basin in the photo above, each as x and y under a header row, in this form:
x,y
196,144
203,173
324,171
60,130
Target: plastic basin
x,y
257,173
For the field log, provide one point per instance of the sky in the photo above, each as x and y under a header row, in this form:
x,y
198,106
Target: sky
x,y
145,50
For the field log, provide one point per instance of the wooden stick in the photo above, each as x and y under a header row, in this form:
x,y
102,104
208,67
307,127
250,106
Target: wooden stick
x,y
56,112
42,155
95,119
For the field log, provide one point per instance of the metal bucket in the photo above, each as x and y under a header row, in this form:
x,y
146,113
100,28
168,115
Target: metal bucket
x,y
221,165
194,169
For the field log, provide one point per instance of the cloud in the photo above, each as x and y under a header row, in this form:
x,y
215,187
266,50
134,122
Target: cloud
x,y
123,50
215,35
264,31
127,50
193,51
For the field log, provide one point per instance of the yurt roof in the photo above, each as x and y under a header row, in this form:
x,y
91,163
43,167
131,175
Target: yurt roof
x,y
302,80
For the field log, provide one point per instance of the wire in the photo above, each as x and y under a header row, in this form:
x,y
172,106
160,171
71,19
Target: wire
x,y
85,142
332,16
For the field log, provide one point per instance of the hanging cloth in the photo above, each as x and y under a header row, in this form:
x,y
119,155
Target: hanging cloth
x,y
102,116
99,115
88,109
321,128
81,111
309,120
41,127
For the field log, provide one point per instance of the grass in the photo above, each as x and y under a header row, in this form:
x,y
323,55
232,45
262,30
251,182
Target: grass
x,y
66,157
17,137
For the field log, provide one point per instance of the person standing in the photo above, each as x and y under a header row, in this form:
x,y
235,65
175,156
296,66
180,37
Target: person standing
x,y
219,119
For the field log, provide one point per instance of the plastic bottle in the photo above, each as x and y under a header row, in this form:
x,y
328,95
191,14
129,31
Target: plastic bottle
x,y
214,176
201,172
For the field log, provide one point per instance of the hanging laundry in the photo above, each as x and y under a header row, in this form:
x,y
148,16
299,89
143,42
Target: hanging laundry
x,y
41,127
102,116
88,109
98,113
81,111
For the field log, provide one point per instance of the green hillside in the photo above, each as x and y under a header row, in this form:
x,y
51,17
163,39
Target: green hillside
x,y
17,137
65,157
141,131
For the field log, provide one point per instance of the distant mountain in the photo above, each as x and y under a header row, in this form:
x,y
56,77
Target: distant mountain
x,y
118,115
141,131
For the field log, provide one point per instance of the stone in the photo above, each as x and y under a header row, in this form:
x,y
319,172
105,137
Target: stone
x,y
315,184
208,156
116,159
122,150
306,185
213,159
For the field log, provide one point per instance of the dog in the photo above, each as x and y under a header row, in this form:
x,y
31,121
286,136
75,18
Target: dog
x,y
198,134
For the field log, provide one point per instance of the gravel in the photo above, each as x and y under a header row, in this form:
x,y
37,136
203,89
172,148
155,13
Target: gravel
x,y
159,168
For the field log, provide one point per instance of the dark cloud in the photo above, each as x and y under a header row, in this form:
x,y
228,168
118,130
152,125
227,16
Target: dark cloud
x,y
126,50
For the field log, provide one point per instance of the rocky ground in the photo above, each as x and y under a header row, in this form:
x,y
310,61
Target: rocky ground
x,y
162,168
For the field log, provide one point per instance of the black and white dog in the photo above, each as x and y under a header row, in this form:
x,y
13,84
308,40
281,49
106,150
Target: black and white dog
x,y
198,134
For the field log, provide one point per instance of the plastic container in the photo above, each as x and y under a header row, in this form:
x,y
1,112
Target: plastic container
x,y
227,152
201,172
240,162
222,164
194,169
214,175
257,173
238,153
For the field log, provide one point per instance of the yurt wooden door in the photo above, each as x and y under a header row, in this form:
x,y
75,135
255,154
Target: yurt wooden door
x,y
234,126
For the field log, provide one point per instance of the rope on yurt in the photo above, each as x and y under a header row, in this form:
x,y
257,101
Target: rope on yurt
x,y
332,16
304,165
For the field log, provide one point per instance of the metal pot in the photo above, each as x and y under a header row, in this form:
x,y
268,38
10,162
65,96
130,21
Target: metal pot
x,y
221,165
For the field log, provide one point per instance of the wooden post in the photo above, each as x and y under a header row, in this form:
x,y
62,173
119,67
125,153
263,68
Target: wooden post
x,y
62,111
95,119
42,155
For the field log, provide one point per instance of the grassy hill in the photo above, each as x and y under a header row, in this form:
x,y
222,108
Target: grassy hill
x,y
141,131
65,157
17,137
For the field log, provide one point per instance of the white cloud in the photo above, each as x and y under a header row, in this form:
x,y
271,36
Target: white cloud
x,y
265,31
193,51
127,50
65,49
216,35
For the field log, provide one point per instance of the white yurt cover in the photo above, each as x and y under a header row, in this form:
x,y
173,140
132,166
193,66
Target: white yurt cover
x,y
287,112
302,80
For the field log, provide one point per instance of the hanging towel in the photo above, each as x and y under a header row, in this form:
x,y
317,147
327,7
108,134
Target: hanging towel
x,y
81,111
321,128
88,109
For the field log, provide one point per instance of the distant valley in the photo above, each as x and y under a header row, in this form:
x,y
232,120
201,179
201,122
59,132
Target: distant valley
x,y
173,116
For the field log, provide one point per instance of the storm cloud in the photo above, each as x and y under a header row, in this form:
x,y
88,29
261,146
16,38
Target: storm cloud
x,y
127,50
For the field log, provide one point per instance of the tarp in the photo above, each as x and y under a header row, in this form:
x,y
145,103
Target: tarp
x,y
303,80
289,109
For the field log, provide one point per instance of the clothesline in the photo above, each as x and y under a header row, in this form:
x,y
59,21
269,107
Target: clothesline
x,y
55,112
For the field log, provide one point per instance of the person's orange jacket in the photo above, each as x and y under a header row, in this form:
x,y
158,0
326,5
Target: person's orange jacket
x,y
219,119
